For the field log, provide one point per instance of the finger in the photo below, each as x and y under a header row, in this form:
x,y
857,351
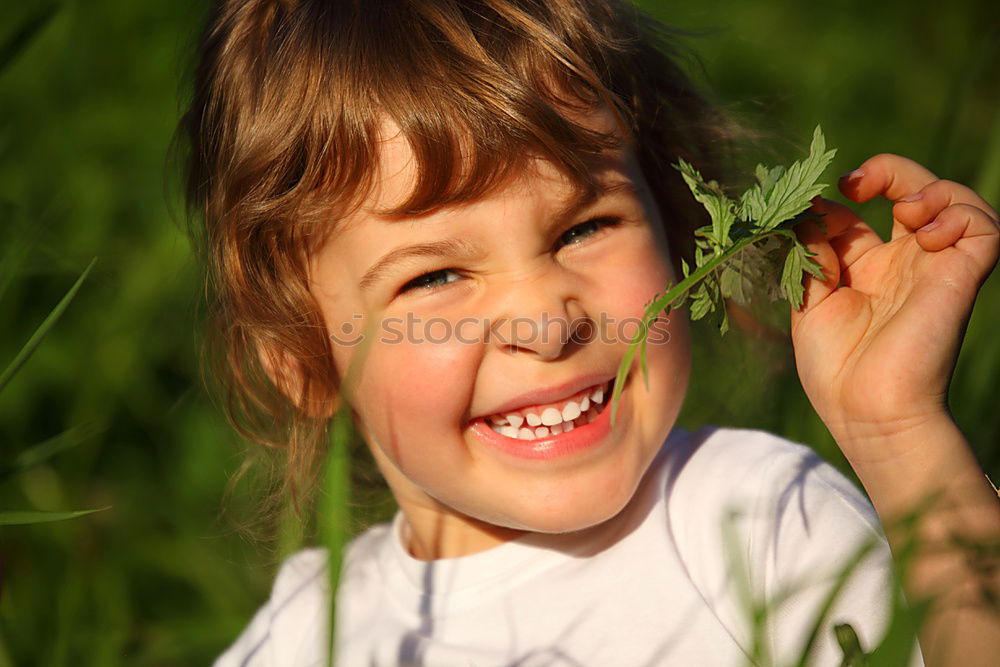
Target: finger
x,y
920,208
891,176
849,236
962,223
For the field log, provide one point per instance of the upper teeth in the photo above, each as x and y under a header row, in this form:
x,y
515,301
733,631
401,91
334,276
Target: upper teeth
x,y
570,412
552,416
532,423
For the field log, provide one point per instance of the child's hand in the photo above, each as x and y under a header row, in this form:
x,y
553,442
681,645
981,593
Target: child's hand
x,y
876,342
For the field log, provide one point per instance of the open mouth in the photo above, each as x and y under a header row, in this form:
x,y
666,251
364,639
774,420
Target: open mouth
x,y
542,421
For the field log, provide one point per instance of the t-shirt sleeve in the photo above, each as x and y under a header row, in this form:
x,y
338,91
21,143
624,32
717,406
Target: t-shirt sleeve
x,y
787,528
289,628
816,539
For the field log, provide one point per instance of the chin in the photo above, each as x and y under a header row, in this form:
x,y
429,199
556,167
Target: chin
x,y
574,522
570,512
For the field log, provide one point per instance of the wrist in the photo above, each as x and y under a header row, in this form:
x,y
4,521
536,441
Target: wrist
x,y
887,440
862,417
902,468
906,452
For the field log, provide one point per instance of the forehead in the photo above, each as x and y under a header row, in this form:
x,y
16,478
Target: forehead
x,y
398,169
536,186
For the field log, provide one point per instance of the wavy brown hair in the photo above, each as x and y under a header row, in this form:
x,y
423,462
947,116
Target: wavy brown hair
x,y
283,129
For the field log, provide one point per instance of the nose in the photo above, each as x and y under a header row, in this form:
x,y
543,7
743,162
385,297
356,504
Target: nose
x,y
541,314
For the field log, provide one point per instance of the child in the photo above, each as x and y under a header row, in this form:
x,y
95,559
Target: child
x,y
481,191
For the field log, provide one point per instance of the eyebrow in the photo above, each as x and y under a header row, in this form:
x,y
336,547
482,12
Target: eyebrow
x,y
462,248
444,248
586,197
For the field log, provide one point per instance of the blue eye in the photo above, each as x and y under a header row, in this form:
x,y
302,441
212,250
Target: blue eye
x,y
582,231
431,280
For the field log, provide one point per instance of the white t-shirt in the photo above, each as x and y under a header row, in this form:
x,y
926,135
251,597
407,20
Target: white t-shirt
x,y
666,582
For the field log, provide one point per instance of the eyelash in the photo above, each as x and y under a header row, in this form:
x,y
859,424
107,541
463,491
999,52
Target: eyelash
x,y
600,223
425,282
415,284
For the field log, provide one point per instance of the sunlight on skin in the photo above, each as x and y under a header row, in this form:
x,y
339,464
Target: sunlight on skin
x,y
875,345
415,400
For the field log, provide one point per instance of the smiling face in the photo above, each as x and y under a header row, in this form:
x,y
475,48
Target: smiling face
x,y
469,310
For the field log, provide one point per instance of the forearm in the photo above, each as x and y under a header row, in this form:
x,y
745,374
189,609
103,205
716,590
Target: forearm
x,y
933,470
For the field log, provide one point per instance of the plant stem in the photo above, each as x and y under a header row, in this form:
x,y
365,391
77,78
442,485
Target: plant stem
x,y
665,303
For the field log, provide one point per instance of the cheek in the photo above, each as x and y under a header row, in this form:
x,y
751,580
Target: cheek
x,y
632,282
631,279
412,395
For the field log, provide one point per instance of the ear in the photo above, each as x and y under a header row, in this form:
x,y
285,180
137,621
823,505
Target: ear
x,y
287,373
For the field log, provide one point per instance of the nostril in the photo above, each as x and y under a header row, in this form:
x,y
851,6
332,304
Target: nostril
x,y
583,330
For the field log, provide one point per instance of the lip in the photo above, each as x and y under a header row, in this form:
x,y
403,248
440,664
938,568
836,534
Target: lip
x,y
547,395
567,443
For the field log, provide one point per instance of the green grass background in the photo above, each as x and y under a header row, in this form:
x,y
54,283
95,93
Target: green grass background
x,y
87,109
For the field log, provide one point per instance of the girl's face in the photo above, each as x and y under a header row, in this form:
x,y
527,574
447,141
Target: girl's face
x,y
483,319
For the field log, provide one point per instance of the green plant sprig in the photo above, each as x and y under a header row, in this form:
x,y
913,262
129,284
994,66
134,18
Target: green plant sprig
x,y
749,241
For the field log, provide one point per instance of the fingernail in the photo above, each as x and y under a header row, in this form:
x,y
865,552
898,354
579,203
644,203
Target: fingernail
x,y
916,196
933,224
853,175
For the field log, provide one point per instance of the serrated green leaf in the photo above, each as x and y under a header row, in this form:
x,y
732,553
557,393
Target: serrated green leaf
x,y
735,283
767,178
791,276
701,303
809,264
794,190
761,173
755,270
741,251
720,208
753,203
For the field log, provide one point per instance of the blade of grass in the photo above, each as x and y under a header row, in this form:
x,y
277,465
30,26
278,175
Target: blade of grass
x,y
898,642
28,517
900,639
907,616
67,618
18,247
5,660
755,610
291,531
46,449
850,646
335,510
335,514
43,329
20,38
841,581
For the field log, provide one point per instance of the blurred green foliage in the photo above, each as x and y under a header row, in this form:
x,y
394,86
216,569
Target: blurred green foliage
x,y
88,103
